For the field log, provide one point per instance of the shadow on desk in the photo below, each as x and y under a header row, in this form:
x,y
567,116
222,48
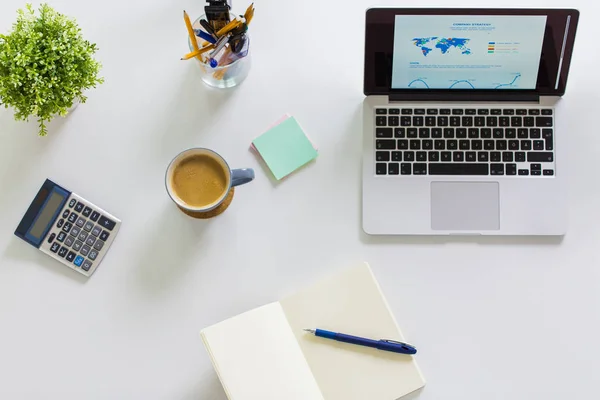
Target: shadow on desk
x,y
170,252
208,388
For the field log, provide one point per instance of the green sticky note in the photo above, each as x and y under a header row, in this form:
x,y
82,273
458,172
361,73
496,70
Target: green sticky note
x,y
285,148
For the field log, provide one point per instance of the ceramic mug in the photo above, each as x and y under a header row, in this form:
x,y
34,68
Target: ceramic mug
x,y
199,181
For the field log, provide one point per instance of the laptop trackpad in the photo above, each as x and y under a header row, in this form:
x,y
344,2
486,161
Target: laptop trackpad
x,y
461,206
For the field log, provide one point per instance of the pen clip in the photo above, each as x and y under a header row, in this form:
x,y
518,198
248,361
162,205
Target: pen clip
x,y
395,342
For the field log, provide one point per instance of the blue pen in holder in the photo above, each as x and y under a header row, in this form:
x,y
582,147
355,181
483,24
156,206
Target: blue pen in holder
x,y
225,68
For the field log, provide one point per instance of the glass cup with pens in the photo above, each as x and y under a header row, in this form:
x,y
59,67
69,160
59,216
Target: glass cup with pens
x,y
227,62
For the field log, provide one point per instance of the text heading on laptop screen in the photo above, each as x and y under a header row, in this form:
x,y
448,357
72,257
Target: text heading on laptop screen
x,y
467,52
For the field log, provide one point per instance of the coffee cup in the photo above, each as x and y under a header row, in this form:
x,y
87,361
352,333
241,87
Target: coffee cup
x,y
200,181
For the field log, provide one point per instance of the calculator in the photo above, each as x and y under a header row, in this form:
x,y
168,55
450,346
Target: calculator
x,y
68,228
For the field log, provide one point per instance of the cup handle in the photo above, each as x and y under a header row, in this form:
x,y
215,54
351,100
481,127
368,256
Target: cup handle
x,y
241,176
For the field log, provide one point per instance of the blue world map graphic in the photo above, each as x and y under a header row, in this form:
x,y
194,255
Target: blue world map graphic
x,y
427,44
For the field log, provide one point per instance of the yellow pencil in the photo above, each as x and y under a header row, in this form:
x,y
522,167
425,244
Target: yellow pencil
x,y
197,53
190,29
229,27
249,14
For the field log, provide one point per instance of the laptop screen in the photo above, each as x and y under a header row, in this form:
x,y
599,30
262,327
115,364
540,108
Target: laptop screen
x,y
467,52
505,52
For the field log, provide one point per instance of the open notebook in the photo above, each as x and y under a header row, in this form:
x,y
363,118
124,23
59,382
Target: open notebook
x,y
265,355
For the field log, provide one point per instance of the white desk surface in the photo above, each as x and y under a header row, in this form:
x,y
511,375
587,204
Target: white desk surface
x,y
493,318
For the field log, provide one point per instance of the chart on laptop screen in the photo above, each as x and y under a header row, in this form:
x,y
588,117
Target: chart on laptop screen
x,y
467,52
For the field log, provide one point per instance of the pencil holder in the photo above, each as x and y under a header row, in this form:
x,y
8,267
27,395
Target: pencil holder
x,y
231,69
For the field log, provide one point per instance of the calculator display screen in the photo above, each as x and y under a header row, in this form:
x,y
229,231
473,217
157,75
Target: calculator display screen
x,y
52,205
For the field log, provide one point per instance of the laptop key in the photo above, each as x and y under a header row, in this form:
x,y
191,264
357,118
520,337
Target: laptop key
x,y
430,121
407,111
442,121
513,145
393,121
525,144
473,133
380,111
498,133
384,132
439,144
504,121
547,111
538,145
479,121
381,168
483,156
393,169
445,111
415,145
421,156
477,144
470,156
534,111
458,169
434,156
419,111
483,111
436,133
396,156
461,133
543,121
488,144
427,144
470,111
405,169
412,133
548,137
464,145
380,121
454,121
536,173
535,133
458,156
400,133
501,145
495,156
385,144
523,172
522,133
452,144
403,144
432,111
409,156
382,156
537,156
508,111
446,156
548,172
420,168
510,133
496,169
394,111
507,156
406,121
495,111
467,121
511,169
520,156
536,167
424,133
491,121
528,121
418,121
449,133
486,133
521,111
516,121
457,111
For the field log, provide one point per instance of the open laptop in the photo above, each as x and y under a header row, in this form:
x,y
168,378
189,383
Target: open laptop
x,y
460,129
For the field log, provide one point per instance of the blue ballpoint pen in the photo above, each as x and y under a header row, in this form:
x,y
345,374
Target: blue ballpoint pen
x,y
383,344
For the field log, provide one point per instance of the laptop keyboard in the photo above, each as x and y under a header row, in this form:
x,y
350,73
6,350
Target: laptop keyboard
x,y
464,141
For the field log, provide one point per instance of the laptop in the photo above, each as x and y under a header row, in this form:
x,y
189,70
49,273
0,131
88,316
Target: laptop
x,y
461,133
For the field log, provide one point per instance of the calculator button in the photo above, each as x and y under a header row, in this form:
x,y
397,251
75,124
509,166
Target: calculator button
x,y
90,241
79,207
96,231
72,203
61,237
88,226
63,251
77,245
73,218
55,247
87,264
75,231
65,214
78,261
86,212
60,223
104,235
106,223
93,254
80,222
71,256
98,245
95,215
82,236
69,241
51,237
67,227
85,250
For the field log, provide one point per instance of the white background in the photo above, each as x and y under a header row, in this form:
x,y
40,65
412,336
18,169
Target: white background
x,y
493,318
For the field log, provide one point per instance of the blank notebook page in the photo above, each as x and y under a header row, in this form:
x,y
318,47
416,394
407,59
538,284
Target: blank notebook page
x,y
351,303
257,357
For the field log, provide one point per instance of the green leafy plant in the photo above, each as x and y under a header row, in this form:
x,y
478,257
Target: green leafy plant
x,y
45,65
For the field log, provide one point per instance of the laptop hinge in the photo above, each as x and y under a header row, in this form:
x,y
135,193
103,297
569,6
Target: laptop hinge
x,y
466,96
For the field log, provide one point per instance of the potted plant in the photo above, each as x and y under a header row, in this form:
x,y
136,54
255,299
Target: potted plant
x,y
45,65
